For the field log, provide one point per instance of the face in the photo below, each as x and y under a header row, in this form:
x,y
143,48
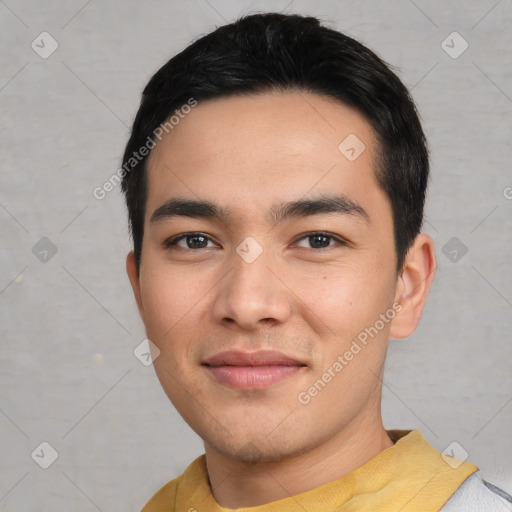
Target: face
x,y
267,253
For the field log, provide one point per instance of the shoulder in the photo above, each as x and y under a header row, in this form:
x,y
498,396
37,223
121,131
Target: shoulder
x,y
193,480
476,494
163,497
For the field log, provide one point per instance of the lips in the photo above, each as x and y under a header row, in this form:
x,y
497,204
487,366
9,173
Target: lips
x,y
260,358
252,370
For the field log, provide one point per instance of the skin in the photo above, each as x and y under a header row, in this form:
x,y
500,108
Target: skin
x,y
248,154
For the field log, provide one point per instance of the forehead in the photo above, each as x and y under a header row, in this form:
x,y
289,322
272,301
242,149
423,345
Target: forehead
x,y
247,151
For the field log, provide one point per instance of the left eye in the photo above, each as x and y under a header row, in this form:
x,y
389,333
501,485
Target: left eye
x,y
192,241
317,241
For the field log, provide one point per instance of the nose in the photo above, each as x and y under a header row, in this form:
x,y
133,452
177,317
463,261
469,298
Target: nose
x,y
251,296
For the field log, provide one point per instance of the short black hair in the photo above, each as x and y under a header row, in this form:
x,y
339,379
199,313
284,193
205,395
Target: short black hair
x,y
285,52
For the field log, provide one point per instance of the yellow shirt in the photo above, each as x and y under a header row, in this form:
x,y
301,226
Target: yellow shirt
x,y
410,476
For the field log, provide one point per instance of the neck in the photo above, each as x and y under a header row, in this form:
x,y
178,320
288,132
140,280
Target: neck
x,y
237,484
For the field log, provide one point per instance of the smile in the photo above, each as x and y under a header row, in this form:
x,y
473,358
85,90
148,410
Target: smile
x,y
252,370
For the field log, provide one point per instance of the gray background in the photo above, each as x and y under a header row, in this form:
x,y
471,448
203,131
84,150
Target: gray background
x,y
69,324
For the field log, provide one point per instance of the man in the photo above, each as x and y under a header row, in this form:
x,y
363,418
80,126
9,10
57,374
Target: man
x,y
275,181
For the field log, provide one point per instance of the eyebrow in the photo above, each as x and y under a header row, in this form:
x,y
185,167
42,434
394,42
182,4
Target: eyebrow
x,y
339,204
177,207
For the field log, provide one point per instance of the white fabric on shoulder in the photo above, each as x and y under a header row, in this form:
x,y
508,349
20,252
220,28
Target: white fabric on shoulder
x,y
477,495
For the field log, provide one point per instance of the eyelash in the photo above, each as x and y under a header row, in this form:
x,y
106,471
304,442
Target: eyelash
x,y
172,242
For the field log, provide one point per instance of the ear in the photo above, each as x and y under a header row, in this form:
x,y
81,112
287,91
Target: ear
x,y
133,275
413,285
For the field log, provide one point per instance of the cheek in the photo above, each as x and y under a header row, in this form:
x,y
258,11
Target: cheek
x,y
172,301
345,298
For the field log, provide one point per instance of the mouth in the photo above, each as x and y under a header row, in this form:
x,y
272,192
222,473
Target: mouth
x,y
252,370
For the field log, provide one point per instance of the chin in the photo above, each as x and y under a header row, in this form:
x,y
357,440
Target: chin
x,y
258,449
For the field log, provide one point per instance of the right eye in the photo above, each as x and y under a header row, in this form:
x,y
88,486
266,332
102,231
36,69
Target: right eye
x,y
190,241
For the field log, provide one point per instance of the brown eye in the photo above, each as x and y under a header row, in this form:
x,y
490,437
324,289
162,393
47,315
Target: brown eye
x,y
318,241
196,241
190,241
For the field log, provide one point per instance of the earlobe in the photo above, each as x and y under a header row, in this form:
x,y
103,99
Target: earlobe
x,y
413,285
133,275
